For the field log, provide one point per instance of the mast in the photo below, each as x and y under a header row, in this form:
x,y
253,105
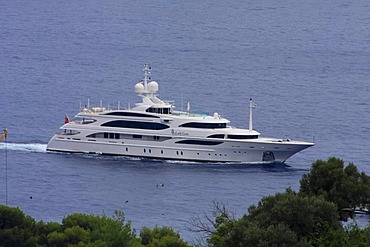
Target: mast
x,y
146,70
251,106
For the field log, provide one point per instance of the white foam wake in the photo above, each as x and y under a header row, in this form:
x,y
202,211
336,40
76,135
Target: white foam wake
x,y
25,147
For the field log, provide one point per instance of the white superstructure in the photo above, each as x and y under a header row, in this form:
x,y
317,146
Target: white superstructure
x,y
154,129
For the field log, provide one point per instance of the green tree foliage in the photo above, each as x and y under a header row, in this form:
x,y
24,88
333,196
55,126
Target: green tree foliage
x,y
42,230
344,186
16,229
302,214
245,233
89,228
308,218
80,230
161,237
349,236
285,219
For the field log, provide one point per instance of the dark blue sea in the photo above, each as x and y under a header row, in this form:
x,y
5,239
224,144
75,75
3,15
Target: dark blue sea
x,y
305,63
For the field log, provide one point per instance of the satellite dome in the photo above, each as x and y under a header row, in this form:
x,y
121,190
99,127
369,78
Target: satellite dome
x,y
153,86
139,88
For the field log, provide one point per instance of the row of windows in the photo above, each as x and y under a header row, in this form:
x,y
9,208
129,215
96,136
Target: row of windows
x,y
242,136
112,135
130,114
199,142
135,114
162,138
127,136
159,110
180,152
204,125
222,136
150,151
135,125
69,132
160,126
162,152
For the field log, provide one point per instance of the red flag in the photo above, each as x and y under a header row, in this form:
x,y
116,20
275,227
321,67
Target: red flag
x,y
66,120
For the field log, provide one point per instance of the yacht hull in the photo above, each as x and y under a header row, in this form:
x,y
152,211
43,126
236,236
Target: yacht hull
x,y
259,151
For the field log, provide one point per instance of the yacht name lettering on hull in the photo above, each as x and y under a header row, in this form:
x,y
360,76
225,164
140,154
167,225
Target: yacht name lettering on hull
x,y
179,133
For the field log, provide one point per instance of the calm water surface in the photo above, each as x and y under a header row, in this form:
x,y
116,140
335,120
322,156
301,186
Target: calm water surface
x,y
306,64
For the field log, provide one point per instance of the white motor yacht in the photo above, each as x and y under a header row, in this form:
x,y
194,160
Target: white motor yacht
x,y
153,129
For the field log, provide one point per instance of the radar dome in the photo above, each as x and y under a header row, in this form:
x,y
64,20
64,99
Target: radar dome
x,y
139,88
153,86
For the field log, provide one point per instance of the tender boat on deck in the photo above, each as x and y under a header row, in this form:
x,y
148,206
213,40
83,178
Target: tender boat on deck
x,y
153,129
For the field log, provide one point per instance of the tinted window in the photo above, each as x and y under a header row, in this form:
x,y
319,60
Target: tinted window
x,y
221,136
204,125
199,142
135,125
242,136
